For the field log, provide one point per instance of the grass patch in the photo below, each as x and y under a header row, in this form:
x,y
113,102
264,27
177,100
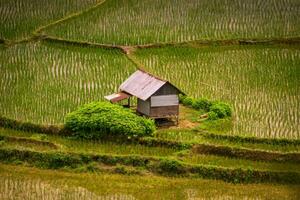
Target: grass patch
x,y
194,136
223,126
65,184
164,166
221,161
87,146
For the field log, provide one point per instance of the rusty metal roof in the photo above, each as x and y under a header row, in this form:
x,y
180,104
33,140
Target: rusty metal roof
x,y
142,84
117,97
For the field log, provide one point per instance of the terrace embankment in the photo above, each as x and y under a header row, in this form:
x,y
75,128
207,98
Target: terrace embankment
x,y
164,166
173,159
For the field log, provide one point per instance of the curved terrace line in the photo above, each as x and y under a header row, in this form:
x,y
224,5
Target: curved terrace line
x,y
38,35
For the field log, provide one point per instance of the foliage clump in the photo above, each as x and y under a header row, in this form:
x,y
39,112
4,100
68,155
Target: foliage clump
x,y
188,101
212,115
221,109
215,109
98,119
202,103
171,166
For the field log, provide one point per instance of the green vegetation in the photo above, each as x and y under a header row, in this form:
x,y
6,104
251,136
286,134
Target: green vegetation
x,y
182,135
56,56
45,81
31,183
55,160
219,126
66,144
98,119
57,152
19,18
202,103
260,82
131,22
216,109
221,109
213,160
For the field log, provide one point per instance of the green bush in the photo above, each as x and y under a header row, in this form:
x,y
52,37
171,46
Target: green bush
x,y
215,109
58,160
171,166
212,115
221,109
98,119
227,108
188,101
201,103
181,97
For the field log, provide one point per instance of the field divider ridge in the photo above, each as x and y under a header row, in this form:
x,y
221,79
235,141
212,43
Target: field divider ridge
x,y
68,17
229,151
80,43
37,35
157,165
249,139
131,48
245,153
28,140
225,42
126,50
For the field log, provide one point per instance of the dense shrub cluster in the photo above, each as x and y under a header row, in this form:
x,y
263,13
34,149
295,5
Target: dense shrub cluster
x,y
98,119
202,103
215,109
221,109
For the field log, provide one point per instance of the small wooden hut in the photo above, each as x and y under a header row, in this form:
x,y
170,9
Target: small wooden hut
x,y
156,98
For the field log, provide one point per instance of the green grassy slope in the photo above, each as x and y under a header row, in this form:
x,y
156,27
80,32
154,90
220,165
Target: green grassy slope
x,y
30,183
182,135
50,143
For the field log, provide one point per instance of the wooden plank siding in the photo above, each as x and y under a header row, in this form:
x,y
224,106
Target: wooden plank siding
x,y
164,100
163,103
165,111
143,107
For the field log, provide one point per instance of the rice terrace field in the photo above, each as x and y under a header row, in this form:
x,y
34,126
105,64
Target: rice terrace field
x,y
57,55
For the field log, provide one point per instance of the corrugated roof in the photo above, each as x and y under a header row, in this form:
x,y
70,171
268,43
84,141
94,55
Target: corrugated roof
x,y
142,84
117,97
